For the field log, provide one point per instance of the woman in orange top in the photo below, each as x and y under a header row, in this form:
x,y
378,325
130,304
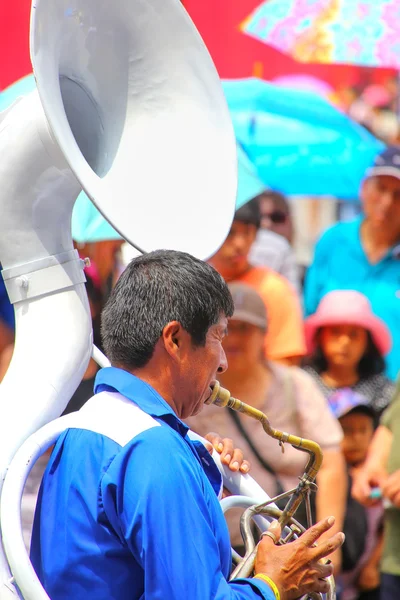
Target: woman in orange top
x,y
284,340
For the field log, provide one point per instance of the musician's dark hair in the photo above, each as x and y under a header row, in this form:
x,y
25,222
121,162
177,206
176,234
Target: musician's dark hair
x,y
371,363
96,300
155,289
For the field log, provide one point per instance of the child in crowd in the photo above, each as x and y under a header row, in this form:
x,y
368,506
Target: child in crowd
x,y
347,344
363,546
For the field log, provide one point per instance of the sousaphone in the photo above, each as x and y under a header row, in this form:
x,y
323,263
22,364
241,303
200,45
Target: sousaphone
x,y
128,107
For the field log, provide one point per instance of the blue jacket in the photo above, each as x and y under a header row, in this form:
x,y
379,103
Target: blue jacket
x,y
128,507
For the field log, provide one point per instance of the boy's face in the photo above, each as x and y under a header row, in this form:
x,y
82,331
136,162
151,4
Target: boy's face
x,y
358,429
231,260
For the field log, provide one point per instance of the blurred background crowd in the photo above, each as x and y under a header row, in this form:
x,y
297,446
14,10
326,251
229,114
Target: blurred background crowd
x,y
312,258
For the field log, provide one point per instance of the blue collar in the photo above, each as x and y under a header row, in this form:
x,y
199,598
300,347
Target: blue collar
x,y
112,379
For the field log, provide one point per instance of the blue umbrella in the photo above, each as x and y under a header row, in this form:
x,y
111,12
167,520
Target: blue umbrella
x,y
88,224
22,87
299,143
249,184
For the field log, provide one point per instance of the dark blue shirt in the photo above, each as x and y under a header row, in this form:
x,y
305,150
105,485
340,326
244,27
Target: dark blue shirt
x,y
128,507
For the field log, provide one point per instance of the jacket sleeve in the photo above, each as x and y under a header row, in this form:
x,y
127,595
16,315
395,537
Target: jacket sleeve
x,y
161,506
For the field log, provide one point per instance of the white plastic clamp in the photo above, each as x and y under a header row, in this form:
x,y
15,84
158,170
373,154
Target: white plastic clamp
x,y
44,276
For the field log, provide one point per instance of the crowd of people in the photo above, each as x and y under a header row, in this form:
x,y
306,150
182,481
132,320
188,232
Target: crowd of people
x,y
320,356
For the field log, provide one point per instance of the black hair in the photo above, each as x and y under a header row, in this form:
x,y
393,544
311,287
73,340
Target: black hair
x,y
249,213
93,292
361,409
155,289
96,298
371,363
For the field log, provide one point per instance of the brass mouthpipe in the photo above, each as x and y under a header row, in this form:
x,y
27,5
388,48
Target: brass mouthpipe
x,y
222,397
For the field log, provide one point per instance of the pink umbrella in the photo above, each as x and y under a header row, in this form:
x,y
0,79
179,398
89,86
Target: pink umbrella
x,y
376,96
305,83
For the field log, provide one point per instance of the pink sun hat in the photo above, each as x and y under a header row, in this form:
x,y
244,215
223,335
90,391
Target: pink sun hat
x,y
347,307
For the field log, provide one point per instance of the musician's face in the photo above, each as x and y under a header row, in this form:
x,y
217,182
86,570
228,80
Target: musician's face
x,y
199,368
231,260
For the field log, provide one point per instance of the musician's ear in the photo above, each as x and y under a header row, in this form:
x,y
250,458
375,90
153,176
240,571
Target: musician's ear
x,y
172,336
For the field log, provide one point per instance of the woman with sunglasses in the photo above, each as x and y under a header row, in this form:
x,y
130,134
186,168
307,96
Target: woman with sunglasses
x,y
272,247
275,214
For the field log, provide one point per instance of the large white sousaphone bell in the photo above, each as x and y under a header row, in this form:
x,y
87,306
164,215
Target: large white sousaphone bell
x,y
130,108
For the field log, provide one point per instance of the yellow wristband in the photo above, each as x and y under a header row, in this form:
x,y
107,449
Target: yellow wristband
x,y
270,583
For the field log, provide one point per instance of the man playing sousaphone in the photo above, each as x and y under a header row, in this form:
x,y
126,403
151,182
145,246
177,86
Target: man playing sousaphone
x,y
129,505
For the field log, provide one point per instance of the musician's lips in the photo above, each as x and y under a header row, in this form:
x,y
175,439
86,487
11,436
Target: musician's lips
x,y
211,389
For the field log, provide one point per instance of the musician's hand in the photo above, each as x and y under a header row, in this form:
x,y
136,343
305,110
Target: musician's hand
x,y
231,456
297,568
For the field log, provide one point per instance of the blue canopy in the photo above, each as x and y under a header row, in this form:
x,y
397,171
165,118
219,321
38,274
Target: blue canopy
x,y
299,143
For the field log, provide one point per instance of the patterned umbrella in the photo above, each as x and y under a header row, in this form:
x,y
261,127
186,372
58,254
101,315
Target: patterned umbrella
x,y
360,32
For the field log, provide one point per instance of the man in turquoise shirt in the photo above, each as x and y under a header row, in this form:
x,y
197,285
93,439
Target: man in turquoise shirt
x,y
364,254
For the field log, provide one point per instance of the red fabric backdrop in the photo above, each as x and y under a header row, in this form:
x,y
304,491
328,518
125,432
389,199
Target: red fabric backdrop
x,y
14,40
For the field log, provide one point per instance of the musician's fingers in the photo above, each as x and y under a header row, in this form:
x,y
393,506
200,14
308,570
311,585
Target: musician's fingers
x,y
236,460
311,535
231,456
273,533
227,451
324,569
215,440
321,586
224,446
245,466
209,447
328,546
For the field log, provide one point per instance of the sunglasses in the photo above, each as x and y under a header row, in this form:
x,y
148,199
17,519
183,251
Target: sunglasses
x,y
276,216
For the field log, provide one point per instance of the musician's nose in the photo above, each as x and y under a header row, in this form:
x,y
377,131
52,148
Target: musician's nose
x,y
223,365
